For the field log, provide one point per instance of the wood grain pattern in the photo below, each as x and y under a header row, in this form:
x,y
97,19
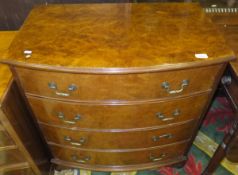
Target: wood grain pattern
x,y
224,19
119,158
17,122
9,147
5,139
118,140
228,26
11,157
1,127
14,167
231,36
112,36
60,164
118,55
114,117
23,171
97,87
6,38
14,155
6,74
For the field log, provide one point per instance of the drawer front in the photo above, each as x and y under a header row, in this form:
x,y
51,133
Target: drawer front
x,y
117,87
118,140
5,139
119,158
142,115
8,157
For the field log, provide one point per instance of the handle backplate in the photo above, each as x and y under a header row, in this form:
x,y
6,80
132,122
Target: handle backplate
x,y
61,116
155,159
71,88
162,117
81,141
157,138
167,87
80,160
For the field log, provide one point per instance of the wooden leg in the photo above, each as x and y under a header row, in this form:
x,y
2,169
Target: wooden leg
x,y
215,160
221,151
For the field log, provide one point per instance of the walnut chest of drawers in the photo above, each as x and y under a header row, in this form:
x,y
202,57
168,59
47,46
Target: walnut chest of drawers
x,y
118,87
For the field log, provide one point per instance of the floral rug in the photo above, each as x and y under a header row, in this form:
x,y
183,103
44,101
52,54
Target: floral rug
x,y
216,124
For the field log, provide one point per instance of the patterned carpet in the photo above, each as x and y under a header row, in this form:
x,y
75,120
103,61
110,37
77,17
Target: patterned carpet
x,y
217,122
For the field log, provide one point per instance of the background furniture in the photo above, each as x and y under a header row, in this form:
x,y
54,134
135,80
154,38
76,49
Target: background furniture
x,y
228,148
14,12
227,22
104,101
21,150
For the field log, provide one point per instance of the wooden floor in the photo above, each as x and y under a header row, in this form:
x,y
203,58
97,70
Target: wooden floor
x,y
6,38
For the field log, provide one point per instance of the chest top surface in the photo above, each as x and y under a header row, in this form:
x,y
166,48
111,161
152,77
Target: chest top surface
x,y
118,36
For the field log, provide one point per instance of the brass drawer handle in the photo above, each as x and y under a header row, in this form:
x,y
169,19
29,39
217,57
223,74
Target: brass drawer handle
x,y
155,159
70,140
157,138
162,117
53,85
83,160
62,117
166,86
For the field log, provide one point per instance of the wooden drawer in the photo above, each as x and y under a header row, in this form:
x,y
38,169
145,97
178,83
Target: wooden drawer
x,y
118,140
100,116
9,157
5,139
127,157
141,86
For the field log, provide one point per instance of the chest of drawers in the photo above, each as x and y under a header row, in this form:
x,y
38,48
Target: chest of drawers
x,y
118,87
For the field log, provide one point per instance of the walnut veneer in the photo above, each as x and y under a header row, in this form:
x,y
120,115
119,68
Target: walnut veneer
x,y
132,115
117,87
100,139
